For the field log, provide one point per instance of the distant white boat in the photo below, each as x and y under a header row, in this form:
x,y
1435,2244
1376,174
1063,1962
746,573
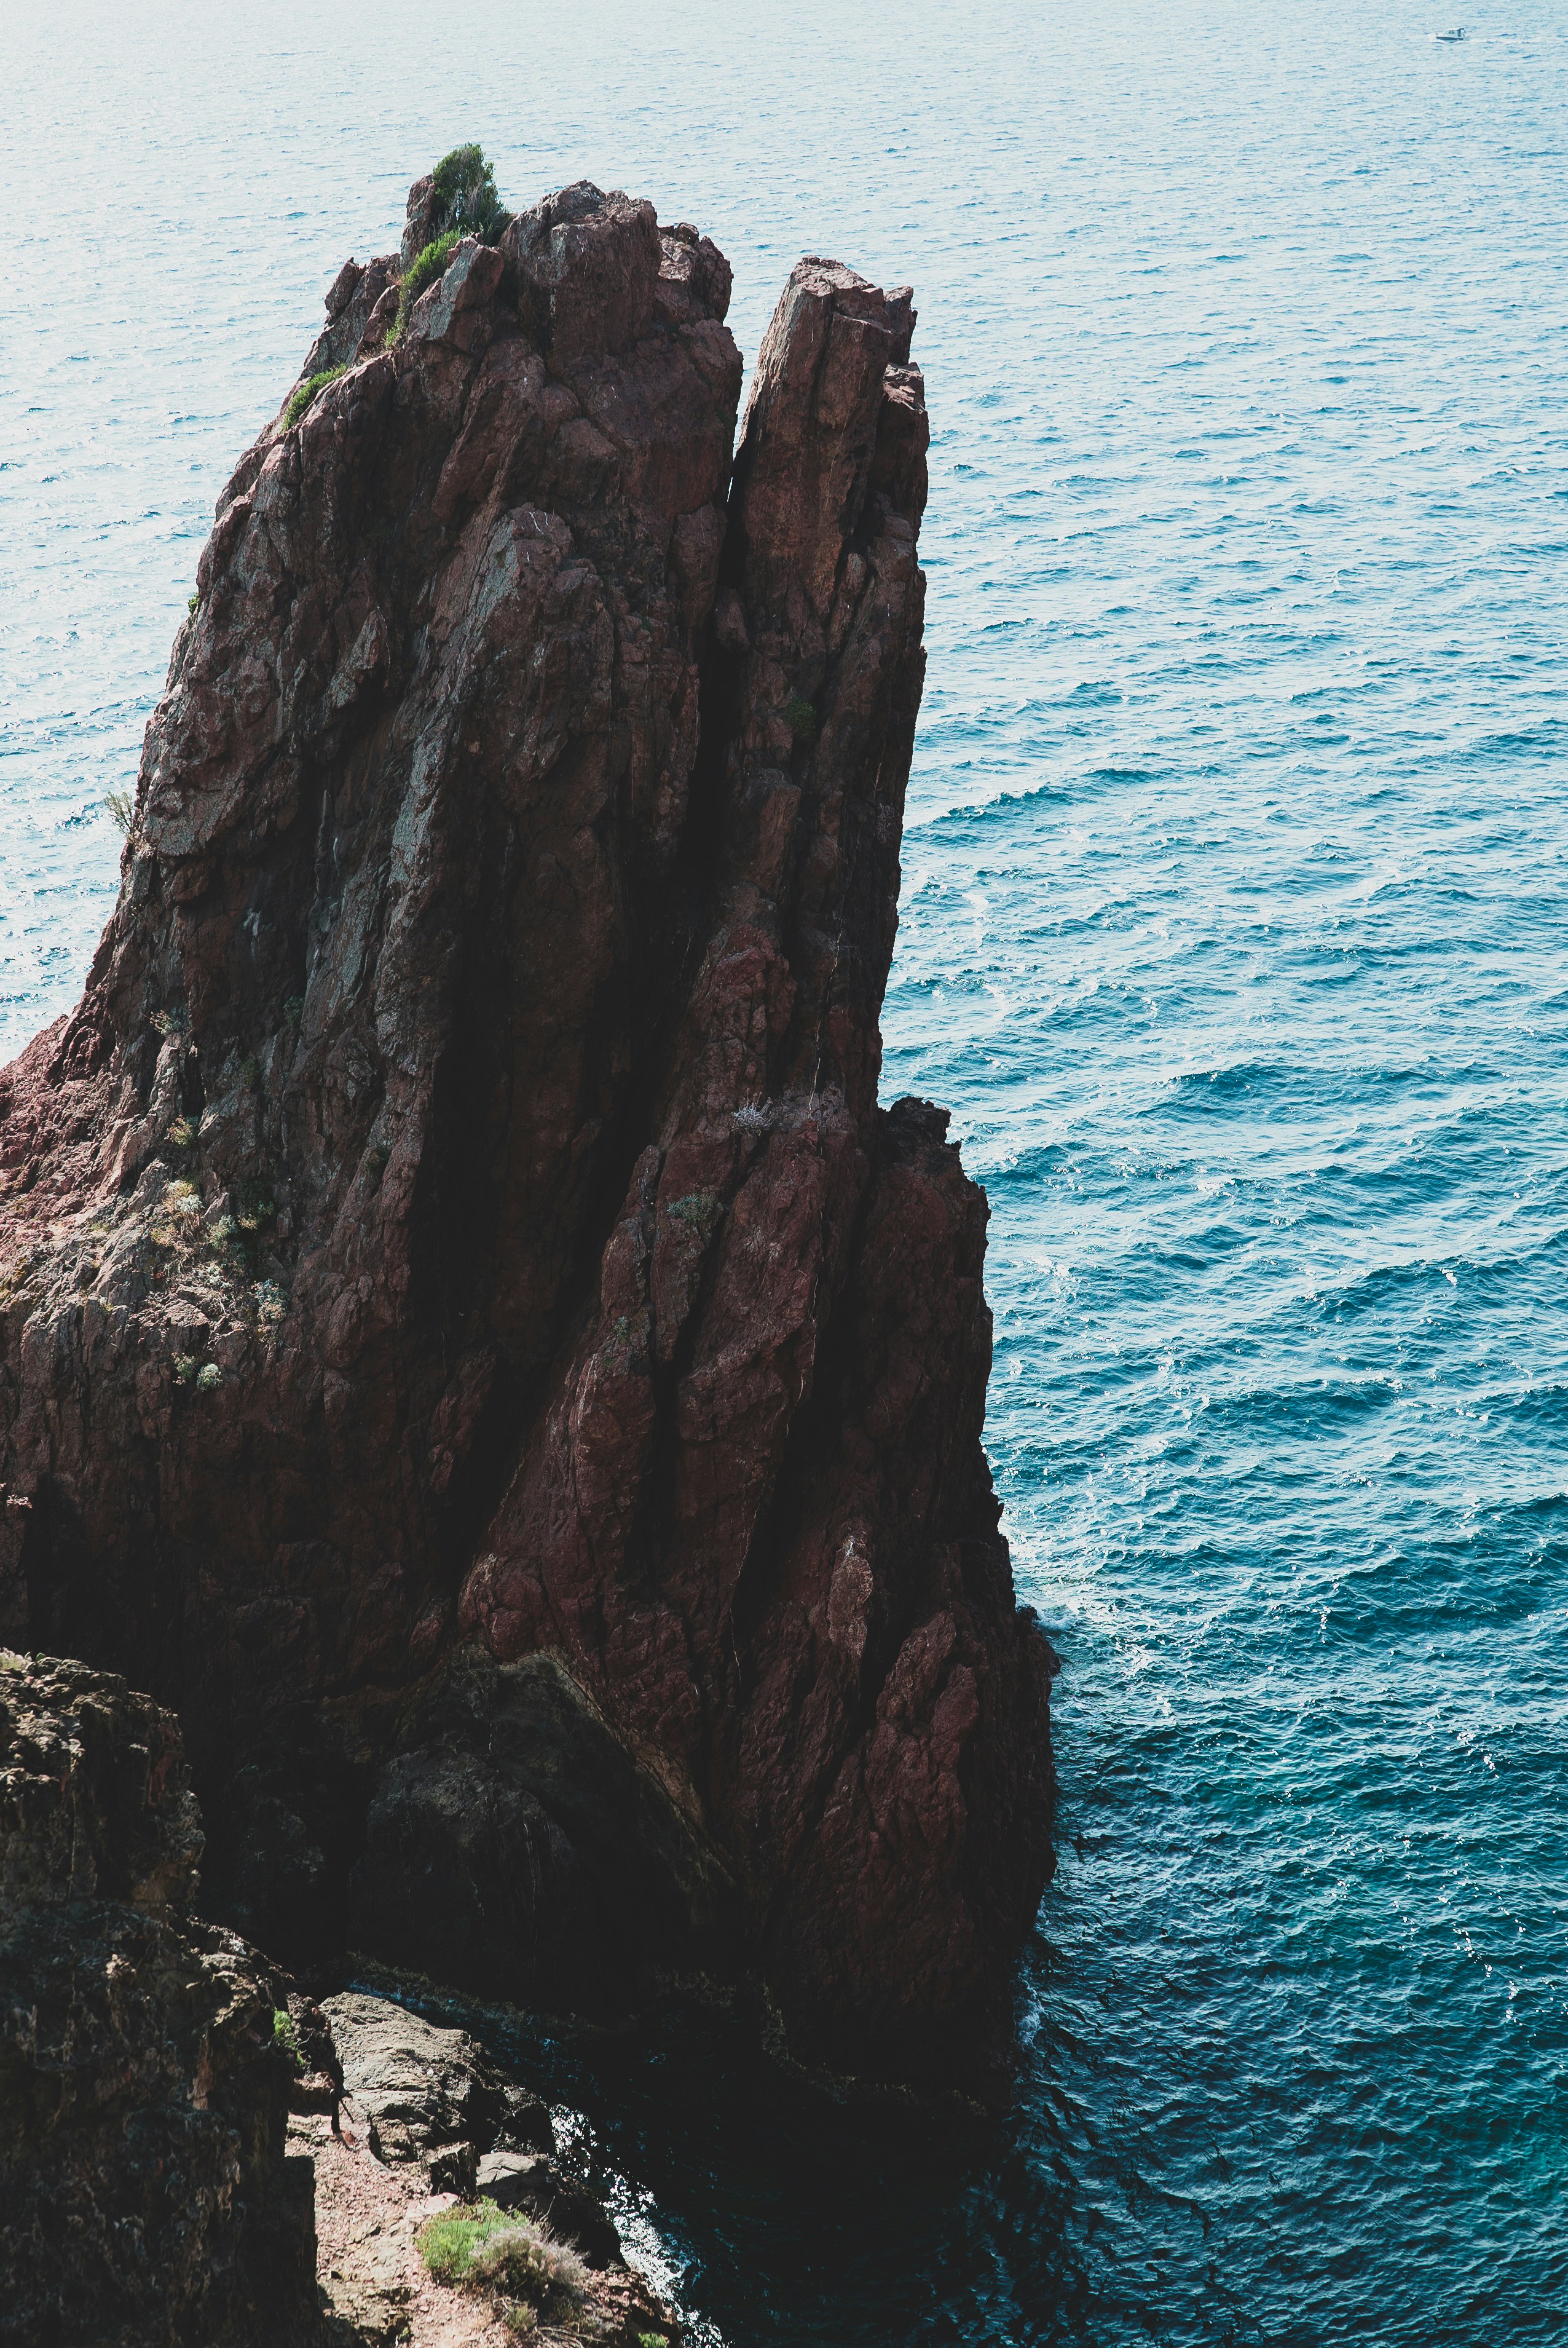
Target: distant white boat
x,y
1459,34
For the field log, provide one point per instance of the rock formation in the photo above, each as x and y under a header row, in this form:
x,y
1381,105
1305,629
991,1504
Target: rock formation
x,y
426,2116
469,1336
147,2197
425,2092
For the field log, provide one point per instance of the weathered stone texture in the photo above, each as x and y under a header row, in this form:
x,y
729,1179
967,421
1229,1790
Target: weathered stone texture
x,y
146,2200
499,959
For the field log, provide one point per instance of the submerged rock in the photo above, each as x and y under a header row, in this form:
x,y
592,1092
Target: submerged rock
x,y
145,2197
468,1334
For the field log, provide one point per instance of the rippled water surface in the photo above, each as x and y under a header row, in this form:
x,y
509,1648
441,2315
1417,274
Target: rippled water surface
x,y
1233,915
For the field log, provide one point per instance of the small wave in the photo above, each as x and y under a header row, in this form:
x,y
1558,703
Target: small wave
x,y
1199,1088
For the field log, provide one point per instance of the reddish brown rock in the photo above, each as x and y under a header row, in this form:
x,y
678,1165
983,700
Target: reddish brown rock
x,y
467,1333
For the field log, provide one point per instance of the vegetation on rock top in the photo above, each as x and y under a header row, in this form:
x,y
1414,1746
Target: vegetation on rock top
x,y
465,203
466,195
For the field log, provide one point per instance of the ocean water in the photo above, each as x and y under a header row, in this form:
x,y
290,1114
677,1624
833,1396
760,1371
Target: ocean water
x,y
1233,918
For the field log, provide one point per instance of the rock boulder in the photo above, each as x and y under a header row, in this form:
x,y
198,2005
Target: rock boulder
x,y
425,2092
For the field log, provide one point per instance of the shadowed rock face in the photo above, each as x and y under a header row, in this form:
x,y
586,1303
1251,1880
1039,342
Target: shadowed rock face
x,y
468,1334
146,2194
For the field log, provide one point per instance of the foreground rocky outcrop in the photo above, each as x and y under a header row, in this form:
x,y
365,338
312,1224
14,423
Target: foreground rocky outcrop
x,y
193,2153
468,1334
145,2197
425,2122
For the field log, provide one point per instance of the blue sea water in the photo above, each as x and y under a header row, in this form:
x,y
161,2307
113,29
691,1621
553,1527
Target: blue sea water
x,y
1235,906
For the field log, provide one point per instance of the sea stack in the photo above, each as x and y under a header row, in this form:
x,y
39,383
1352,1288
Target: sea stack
x,y
470,1339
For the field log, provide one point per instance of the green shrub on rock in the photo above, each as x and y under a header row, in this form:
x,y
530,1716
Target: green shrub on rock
x,y
462,202
478,2245
447,2242
465,197
422,272
302,397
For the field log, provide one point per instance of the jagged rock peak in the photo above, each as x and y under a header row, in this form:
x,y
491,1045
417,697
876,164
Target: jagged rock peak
x,y
469,1335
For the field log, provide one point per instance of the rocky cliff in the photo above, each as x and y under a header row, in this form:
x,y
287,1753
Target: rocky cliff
x,y
147,2200
469,1336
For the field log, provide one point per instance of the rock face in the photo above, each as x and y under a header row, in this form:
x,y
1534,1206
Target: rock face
x,y
146,2198
425,2116
468,1333
423,2091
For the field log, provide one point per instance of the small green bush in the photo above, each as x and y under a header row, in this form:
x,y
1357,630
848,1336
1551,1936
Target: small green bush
x,y
423,271
447,2243
465,197
287,2037
182,1133
193,602
185,1368
171,1023
301,399
480,2247
208,1377
121,809
801,719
